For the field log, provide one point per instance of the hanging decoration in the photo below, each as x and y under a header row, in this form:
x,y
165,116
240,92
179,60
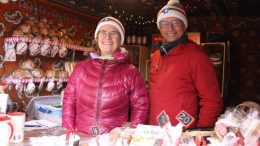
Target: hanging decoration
x,y
2,29
14,17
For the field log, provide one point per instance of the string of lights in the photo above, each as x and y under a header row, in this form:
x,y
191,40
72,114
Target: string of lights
x,y
133,19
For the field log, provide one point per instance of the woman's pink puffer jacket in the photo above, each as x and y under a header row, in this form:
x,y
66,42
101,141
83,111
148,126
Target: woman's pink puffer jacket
x,y
100,94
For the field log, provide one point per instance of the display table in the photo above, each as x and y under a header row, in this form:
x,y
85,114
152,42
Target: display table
x,y
84,139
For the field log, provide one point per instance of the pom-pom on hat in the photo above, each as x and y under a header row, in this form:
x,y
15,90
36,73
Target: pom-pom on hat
x,y
173,9
114,22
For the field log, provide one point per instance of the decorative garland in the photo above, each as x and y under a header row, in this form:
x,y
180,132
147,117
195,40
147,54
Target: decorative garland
x,y
29,40
11,80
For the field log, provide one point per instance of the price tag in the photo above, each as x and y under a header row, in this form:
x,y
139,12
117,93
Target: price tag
x,y
95,131
184,118
162,119
158,142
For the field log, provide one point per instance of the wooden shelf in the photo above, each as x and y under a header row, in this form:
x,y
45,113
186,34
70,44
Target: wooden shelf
x,y
139,56
220,50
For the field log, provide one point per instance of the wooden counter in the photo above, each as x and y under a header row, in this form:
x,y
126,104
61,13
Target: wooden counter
x,y
56,131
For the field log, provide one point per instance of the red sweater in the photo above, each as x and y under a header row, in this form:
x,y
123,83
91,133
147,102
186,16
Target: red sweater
x,y
185,80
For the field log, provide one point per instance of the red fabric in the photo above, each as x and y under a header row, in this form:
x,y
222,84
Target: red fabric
x,y
184,80
101,92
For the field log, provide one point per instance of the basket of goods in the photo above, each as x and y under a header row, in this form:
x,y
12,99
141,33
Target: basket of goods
x,y
239,125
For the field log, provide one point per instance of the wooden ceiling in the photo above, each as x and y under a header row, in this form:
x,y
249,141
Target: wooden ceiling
x,y
146,8
145,11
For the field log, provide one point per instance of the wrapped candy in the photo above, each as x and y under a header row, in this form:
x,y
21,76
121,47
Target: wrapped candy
x,y
9,48
55,48
119,136
30,88
50,85
27,64
19,89
45,47
63,51
250,128
21,48
34,47
240,124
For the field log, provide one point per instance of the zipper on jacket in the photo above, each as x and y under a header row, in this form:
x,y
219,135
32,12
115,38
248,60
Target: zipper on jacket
x,y
99,92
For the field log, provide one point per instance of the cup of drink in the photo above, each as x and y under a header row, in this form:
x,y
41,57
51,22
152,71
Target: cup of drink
x,y
18,122
6,130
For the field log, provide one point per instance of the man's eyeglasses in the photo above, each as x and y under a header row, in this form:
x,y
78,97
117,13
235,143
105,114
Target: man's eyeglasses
x,y
168,23
103,33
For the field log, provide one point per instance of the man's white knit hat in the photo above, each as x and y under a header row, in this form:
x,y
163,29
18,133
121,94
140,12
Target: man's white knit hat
x,y
172,9
114,22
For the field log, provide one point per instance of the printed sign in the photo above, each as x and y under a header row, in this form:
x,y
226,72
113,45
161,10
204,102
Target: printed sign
x,y
162,119
147,135
184,118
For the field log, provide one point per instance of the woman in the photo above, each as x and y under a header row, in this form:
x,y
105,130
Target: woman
x,y
105,91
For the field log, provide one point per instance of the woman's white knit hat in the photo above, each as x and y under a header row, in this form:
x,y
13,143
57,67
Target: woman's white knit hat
x,y
114,22
172,9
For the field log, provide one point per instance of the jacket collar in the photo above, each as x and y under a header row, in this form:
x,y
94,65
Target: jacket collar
x,y
165,48
118,55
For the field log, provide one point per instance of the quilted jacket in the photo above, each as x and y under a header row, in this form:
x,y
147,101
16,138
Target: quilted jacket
x,y
103,94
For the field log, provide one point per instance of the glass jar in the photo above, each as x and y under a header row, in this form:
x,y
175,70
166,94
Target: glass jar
x,y
139,39
134,39
128,40
144,40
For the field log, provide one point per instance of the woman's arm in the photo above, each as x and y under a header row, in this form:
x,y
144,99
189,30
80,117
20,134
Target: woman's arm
x,y
139,101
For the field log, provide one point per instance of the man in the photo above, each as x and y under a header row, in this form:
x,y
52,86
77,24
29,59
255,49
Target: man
x,y
181,74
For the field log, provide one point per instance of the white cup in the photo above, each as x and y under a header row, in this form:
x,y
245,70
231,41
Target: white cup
x,y
6,130
3,102
4,1
18,122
